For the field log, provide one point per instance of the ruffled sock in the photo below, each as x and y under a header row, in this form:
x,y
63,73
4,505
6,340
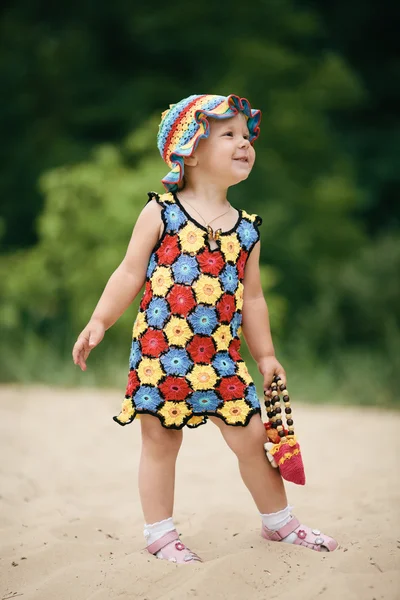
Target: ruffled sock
x,y
277,520
154,531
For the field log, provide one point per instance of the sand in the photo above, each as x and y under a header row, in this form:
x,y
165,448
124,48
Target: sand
x,y
71,522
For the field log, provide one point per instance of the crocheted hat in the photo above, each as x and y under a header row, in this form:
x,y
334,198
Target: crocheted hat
x,y
185,123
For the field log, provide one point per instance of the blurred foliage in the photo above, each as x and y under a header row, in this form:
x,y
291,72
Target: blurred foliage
x,y
86,85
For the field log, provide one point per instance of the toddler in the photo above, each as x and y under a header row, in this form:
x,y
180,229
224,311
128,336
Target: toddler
x,y
198,259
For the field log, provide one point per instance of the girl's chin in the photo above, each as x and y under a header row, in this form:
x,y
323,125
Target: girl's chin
x,y
240,177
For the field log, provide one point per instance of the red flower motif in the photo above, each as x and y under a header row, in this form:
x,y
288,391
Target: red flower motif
x,y
175,388
226,307
133,383
241,263
234,348
147,296
181,299
231,388
153,342
168,250
211,262
201,349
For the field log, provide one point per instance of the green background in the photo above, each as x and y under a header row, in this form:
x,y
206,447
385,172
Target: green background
x,y
84,85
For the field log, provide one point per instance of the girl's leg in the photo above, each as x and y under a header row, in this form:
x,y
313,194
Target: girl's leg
x,y
160,447
264,482
266,486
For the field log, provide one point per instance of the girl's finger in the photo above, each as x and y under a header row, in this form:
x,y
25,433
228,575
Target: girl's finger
x,y
281,375
77,349
82,361
268,379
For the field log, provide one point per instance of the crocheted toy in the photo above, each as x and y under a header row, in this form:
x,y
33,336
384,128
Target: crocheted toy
x,y
282,449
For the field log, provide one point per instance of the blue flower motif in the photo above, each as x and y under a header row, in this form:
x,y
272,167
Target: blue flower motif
x,y
223,364
235,323
135,355
152,265
229,278
204,401
174,217
247,233
251,395
185,269
176,361
203,319
157,312
147,397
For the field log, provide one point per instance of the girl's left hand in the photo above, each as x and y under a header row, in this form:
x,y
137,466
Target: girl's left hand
x,y
269,366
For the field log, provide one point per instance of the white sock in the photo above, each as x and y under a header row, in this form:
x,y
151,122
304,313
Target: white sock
x,y
154,531
277,520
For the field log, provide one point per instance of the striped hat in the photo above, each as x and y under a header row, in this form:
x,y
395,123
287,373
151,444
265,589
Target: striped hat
x,y
185,123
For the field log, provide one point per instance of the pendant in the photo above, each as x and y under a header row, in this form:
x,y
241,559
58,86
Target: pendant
x,y
213,235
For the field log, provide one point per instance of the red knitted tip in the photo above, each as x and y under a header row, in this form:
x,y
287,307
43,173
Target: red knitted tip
x,y
291,469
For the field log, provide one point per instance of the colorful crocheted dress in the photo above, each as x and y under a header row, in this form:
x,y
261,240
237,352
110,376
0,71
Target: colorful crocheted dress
x,y
185,360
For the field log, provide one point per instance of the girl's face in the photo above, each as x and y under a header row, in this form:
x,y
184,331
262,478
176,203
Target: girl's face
x,y
226,157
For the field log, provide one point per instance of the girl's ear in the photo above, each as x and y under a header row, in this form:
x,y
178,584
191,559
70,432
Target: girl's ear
x,y
190,161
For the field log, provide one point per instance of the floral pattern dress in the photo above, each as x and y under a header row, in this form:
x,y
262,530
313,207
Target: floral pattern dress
x,y
185,361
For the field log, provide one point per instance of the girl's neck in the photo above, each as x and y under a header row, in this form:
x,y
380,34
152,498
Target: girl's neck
x,y
205,195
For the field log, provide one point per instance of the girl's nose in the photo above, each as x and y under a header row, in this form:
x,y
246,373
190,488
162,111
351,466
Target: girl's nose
x,y
244,143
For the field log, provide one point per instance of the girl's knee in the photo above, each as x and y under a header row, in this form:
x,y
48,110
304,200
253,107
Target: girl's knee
x,y
245,441
156,436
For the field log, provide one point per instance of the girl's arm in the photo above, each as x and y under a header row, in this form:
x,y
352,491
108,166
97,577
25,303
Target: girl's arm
x,y
255,321
124,284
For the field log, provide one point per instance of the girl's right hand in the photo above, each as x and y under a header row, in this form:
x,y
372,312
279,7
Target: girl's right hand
x,y
90,337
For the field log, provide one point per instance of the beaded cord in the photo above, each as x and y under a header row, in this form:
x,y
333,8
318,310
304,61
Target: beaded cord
x,y
274,410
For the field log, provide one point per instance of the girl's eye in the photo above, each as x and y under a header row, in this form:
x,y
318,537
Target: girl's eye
x,y
229,133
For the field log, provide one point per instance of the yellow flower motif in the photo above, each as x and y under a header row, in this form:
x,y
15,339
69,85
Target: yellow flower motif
x,y
174,413
230,246
191,238
239,296
202,377
161,280
207,289
234,411
127,411
178,331
139,325
250,217
222,337
195,421
167,197
150,371
243,372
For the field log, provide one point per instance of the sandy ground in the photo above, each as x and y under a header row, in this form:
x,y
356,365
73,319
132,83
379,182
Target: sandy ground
x,y
71,522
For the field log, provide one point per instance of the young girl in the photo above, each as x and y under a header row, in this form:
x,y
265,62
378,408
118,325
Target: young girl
x,y
198,257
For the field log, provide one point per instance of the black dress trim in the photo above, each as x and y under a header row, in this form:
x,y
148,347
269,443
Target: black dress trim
x,y
161,202
257,222
251,413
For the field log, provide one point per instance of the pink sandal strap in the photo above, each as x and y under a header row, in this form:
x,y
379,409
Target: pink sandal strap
x,y
311,538
277,536
163,541
178,552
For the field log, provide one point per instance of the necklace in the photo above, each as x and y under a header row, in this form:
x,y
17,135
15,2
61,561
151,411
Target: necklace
x,y
212,235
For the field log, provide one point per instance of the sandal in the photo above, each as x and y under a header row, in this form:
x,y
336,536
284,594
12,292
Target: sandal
x,y
311,538
173,549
